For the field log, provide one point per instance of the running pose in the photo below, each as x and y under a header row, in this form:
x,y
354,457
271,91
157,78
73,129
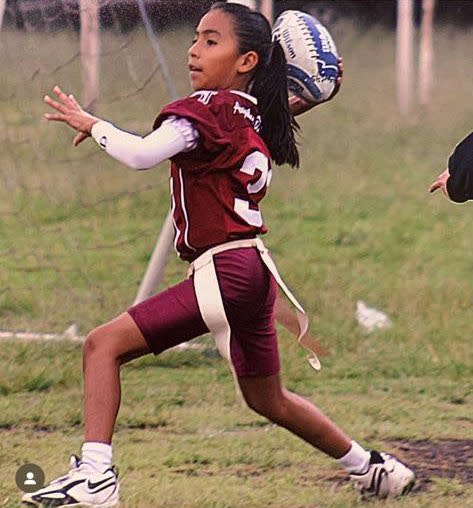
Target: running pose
x,y
221,141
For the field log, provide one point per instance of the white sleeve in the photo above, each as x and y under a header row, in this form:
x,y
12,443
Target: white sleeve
x,y
175,135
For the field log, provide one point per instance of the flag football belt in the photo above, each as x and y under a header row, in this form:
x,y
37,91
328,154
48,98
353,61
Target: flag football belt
x,y
209,298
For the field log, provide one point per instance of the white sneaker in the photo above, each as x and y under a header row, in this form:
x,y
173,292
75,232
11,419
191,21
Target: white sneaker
x,y
81,486
386,477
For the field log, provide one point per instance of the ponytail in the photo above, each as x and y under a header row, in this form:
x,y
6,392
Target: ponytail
x,y
279,126
269,82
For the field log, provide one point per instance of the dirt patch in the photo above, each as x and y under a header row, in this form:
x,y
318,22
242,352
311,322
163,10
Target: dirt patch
x,y
446,458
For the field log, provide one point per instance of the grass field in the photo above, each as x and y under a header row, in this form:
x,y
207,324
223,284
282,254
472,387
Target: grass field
x,y
355,222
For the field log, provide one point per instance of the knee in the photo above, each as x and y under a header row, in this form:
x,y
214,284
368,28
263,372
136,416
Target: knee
x,y
96,344
91,343
274,408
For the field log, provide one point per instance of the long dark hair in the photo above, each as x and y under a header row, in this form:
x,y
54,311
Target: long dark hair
x,y
268,83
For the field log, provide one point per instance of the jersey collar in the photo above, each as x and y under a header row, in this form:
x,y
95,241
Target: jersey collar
x,y
247,96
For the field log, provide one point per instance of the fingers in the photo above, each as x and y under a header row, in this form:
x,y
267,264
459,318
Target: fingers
x,y
65,99
441,182
339,80
54,104
336,88
435,186
65,103
73,101
55,117
79,138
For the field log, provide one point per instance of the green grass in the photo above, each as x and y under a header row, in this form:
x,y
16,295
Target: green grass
x,y
355,222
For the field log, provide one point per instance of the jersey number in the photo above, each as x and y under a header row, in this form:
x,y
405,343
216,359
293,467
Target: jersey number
x,y
255,161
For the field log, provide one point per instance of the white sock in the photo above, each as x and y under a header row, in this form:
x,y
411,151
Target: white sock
x,y
356,460
97,455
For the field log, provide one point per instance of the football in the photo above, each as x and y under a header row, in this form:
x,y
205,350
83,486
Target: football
x,y
311,54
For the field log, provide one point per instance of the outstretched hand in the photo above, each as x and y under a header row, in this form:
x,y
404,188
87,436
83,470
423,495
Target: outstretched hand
x,y
441,182
297,105
71,113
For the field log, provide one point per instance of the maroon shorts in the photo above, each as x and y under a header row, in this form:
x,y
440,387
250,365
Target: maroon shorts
x,y
248,292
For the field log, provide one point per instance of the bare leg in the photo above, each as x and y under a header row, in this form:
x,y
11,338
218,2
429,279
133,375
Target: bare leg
x,y
266,396
105,350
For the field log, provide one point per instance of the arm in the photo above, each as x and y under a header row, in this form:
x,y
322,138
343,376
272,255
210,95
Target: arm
x,y
456,182
458,186
139,152
174,136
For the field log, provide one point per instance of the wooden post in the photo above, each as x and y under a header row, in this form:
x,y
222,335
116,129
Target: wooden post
x,y
404,54
155,270
154,273
3,4
426,52
90,52
266,8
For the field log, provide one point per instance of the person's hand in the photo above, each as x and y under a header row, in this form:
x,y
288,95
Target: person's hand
x,y
441,182
298,105
338,84
71,113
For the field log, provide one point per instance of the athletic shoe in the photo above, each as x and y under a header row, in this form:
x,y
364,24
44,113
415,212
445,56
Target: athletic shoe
x,y
81,486
386,477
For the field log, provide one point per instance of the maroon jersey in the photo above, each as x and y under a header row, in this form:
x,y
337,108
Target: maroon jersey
x,y
216,187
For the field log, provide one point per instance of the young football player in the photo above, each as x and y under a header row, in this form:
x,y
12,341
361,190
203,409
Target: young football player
x,y
456,181
221,141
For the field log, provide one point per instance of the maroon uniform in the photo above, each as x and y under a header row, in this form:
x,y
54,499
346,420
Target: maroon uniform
x,y
216,188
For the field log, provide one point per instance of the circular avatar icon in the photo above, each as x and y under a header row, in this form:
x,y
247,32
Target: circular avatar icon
x,y
29,478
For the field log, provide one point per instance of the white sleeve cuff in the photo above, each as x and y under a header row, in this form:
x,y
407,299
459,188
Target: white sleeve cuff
x,y
186,128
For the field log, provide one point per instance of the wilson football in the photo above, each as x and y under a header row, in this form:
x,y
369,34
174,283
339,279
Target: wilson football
x,y
311,54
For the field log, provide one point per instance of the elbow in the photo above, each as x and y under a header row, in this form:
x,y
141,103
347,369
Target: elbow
x,y
138,163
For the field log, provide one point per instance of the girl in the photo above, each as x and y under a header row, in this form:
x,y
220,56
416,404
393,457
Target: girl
x,y
220,140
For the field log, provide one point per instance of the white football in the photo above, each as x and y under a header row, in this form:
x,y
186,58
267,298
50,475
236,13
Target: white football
x,y
311,54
